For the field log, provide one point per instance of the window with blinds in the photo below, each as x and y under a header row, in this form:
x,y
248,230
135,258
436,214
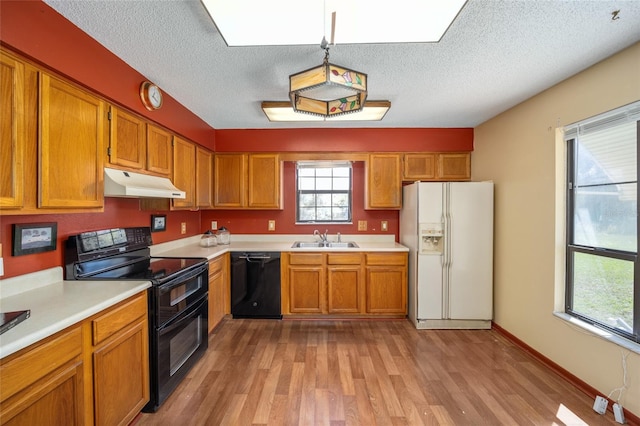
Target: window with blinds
x,y
602,283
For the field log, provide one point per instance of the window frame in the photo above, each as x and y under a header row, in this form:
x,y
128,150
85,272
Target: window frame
x,y
572,248
349,192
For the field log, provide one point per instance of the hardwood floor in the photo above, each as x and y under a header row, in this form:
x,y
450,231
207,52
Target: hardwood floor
x,y
378,372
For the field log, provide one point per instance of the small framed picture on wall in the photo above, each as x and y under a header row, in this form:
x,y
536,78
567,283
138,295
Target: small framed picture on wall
x,y
158,222
29,238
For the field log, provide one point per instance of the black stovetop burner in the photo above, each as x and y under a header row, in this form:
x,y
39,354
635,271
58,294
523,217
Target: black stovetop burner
x,y
155,269
121,253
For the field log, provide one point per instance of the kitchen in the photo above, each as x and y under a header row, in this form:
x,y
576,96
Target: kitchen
x,y
506,149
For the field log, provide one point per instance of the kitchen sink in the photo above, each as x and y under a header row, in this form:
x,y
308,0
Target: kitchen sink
x,y
348,244
320,244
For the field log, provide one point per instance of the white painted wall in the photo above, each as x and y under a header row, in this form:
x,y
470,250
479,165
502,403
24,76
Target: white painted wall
x,y
517,150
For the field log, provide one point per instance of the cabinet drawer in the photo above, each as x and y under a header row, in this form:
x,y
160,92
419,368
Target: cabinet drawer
x,y
20,372
115,320
305,258
344,259
386,258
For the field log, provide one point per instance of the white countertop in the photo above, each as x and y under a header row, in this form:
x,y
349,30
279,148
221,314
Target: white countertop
x,y
56,304
190,247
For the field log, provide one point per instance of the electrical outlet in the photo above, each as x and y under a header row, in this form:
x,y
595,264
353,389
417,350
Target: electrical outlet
x,y
272,225
183,228
384,226
214,224
362,225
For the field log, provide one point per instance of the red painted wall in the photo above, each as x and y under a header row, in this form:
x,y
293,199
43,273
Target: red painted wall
x,y
118,212
337,140
256,222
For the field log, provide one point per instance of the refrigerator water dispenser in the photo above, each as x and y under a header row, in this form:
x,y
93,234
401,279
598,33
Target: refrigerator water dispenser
x,y
431,238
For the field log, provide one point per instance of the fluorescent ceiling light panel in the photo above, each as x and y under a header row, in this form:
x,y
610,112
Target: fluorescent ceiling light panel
x,y
283,111
296,22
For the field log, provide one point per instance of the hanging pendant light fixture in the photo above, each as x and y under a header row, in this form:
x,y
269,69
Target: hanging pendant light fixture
x,y
328,90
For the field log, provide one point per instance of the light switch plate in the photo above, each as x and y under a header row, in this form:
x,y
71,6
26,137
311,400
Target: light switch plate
x,y
214,224
272,225
384,225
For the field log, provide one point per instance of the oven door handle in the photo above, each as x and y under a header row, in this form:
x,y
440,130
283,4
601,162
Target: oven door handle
x,y
177,322
164,287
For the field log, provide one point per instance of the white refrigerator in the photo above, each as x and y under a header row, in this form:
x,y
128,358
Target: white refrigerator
x,y
448,228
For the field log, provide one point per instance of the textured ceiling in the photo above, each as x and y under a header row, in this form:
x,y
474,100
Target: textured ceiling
x,y
496,54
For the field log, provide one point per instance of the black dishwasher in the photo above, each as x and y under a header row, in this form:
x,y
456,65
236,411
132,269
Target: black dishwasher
x,y
255,285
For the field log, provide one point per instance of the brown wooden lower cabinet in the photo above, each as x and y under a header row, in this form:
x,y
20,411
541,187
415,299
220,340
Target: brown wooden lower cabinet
x,y
120,362
386,283
45,384
94,372
344,283
219,288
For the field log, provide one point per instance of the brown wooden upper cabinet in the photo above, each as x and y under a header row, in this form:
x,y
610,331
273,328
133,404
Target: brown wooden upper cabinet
x,y
52,136
419,166
159,151
138,145
12,132
184,165
383,183
454,166
436,166
204,178
127,139
247,181
70,142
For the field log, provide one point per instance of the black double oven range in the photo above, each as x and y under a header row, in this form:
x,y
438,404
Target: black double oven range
x,y
178,305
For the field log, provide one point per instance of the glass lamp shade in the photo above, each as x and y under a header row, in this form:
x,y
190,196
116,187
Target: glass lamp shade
x,y
328,90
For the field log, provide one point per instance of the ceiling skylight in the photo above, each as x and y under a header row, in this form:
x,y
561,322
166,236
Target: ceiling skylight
x,y
297,22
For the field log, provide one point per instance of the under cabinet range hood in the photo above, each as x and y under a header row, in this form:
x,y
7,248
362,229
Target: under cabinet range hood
x,y
120,183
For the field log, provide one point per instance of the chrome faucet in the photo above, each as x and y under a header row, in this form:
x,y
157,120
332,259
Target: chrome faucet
x,y
323,237
339,240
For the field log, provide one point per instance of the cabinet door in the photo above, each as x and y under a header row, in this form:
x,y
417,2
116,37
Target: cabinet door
x,y
218,290
307,290
184,165
71,141
44,385
230,171
121,375
386,290
345,283
344,287
383,182
454,166
265,179
127,139
12,132
419,166
386,281
159,151
204,179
